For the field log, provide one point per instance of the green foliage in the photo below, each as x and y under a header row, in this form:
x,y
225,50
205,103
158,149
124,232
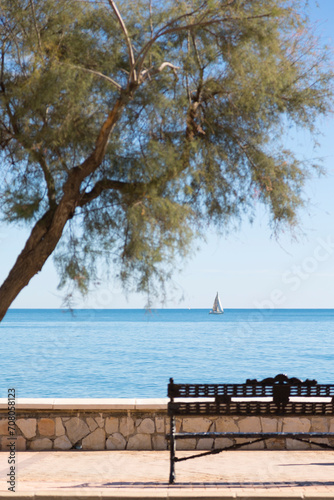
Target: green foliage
x,y
208,91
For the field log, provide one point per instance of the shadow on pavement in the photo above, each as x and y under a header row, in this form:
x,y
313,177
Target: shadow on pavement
x,y
151,484
303,465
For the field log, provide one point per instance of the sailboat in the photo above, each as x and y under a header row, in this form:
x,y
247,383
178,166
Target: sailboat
x,y
217,307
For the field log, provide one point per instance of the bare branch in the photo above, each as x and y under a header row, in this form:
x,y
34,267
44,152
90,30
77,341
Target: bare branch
x,y
127,38
154,71
103,185
164,65
97,73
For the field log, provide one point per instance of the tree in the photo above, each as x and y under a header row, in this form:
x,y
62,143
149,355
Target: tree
x,y
126,129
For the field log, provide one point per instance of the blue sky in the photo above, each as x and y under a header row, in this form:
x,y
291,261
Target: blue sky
x,y
248,268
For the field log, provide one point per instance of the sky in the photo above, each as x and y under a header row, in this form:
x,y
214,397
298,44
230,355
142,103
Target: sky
x,y
249,268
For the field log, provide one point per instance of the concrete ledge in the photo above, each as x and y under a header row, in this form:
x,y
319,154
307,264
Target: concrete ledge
x,y
86,404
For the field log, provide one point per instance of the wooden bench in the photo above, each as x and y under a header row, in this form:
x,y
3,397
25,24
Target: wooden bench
x,y
272,396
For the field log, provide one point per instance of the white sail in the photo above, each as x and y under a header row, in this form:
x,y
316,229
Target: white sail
x,y
217,307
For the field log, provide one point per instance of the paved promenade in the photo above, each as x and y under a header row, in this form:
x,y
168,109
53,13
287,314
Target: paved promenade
x,y
144,474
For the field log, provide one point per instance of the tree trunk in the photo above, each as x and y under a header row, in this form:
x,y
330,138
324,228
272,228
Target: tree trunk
x,y
48,230
39,246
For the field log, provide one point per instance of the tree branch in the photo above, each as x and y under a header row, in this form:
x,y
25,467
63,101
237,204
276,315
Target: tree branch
x,y
154,71
105,77
50,183
128,41
103,185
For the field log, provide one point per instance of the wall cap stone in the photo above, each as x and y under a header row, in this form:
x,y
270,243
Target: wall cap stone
x,y
86,404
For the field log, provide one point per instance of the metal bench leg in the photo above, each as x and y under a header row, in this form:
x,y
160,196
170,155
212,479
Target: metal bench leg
x,y
172,444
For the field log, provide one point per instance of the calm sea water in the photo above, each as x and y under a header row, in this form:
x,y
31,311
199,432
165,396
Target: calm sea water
x,y
132,353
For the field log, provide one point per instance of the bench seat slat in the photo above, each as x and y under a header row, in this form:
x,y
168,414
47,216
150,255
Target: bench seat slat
x,y
250,408
247,390
264,435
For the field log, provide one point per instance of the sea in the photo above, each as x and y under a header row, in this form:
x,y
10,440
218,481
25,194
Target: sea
x,y
132,353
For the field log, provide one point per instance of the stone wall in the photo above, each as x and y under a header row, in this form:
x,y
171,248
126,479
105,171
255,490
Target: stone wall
x,y
136,426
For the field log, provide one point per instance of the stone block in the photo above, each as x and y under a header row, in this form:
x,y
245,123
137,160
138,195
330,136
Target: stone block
x,y
160,424
76,429
275,444
296,424
253,446
221,443
292,444
46,427
226,424
320,440
20,444
139,442
186,444
95,441
116,442
100,422
41,444
196,424
62,443
4,427
60,429
269,424
91,424
279,424
319,424
159,442
126,426
112,425
204,444
27,426
250,424
331,424
146,426
3,443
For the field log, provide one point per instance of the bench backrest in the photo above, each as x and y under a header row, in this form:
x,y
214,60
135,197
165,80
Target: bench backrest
x,y
280,394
